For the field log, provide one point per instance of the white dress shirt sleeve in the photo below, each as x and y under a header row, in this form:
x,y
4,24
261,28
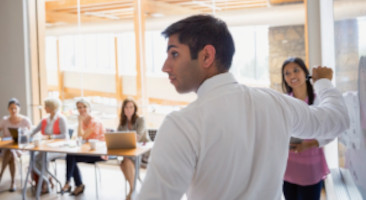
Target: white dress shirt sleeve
x,y
323,142
172,162
324,121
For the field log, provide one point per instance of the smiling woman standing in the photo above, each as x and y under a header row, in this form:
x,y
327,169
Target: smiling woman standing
x,y
306,164
14,120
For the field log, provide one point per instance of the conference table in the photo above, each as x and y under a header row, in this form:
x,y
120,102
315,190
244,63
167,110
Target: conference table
x,y
71,147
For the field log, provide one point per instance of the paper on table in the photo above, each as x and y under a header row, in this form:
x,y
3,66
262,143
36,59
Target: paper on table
x,y
57,144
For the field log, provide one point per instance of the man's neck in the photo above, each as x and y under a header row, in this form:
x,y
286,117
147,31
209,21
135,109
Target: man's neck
x,y
210,73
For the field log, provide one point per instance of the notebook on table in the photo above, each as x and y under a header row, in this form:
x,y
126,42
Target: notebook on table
x,y
121,140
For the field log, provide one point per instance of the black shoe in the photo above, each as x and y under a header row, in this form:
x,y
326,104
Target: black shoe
x,y
13,188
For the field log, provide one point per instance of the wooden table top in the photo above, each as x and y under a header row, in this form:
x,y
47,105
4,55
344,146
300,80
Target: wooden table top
x,y
69,147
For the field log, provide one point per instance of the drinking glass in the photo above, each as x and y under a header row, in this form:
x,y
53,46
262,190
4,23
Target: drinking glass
x,y
23,137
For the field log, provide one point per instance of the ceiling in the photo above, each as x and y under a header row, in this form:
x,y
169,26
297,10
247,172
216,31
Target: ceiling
x,y
65,12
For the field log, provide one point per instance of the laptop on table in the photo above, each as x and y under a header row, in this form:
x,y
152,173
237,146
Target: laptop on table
x,y
121,140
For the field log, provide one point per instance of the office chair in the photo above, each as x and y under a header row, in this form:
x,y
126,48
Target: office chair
x,y
152,134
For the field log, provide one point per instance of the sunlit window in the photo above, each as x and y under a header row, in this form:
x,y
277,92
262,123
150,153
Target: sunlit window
x,y
155,52
250,62
361,34
126,53
51,52
67,45
89,53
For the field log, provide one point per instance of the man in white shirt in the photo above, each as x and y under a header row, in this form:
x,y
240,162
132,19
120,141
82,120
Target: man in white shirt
x,y
232,142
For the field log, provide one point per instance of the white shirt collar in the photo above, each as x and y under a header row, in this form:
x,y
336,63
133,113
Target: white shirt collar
x,y
214,82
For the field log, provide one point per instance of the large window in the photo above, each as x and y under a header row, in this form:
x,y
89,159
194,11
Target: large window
x,y
51,52
250,62
126,53
89,52
155,52
362,32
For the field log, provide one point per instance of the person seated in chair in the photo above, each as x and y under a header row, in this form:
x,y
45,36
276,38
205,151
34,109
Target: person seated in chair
x,y
54,126
129,120
88,128
14,120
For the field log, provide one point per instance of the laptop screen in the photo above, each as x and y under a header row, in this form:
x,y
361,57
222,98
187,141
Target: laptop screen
x,y
14,134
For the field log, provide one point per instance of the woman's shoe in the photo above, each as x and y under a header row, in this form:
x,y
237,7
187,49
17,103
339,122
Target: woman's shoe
x,y
12,188
45,189
78,190
66,188
128,197
51,182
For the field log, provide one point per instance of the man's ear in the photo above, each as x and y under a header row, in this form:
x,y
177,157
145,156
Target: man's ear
x,y
208,55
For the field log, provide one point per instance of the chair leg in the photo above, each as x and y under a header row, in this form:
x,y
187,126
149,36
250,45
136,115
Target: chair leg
x,y
21,171
126,189
96,180
55,167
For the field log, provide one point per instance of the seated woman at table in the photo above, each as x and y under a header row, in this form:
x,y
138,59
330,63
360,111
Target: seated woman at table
x,y
14,120
129,120
54,126
88,128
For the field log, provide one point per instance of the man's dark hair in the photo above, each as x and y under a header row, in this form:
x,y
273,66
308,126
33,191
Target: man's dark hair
x,y
286,88
200,30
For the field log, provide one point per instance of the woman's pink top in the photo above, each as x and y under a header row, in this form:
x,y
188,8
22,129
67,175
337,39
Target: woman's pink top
x,y
5,124
98,132
307,167
97,127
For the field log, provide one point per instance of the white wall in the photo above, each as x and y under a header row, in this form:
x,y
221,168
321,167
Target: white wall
x,y
14,65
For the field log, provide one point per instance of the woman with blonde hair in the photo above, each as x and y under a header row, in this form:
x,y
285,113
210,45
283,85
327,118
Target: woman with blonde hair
x,y
130,120
54,126
14,120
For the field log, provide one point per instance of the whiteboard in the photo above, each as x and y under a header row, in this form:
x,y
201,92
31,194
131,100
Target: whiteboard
x,y
354,139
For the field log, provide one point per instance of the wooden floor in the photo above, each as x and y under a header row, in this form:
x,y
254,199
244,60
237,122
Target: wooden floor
x,y
111,183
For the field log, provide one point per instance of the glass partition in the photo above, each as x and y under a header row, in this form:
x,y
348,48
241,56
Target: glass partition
x,y
350,46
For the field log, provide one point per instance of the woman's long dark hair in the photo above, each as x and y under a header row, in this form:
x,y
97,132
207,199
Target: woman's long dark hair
x,y
286,88
123,119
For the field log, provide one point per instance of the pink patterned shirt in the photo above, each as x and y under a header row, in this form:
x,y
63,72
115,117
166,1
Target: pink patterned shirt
x,y
307,167
97,127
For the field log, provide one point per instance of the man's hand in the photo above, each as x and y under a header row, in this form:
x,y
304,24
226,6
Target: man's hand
x,y
322,72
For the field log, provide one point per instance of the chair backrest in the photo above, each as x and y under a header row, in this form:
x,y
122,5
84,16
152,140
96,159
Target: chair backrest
x,y
152,133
